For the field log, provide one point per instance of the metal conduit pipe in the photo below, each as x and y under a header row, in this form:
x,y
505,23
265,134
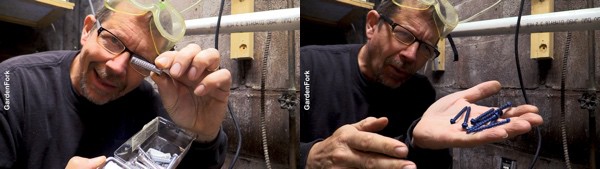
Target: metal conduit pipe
x,y
573,20
292,122
592,90
274,20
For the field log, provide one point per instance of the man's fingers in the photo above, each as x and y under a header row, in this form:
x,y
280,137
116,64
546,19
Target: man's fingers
x,y
217,83
481,91
189,65
164,60
182,61
516,126
169,91
371,124
372,142
365,140
533,119
499,133
360,159
520,110
206,61
527,113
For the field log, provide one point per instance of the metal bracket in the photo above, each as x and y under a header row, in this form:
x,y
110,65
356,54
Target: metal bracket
x,y
588,100
288,101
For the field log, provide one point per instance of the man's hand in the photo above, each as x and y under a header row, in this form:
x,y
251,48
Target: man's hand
x,y
434,131
82,163
195,95
355,146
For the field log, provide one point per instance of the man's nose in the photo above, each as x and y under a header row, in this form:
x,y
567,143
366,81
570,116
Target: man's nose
x,y
118,64
411,52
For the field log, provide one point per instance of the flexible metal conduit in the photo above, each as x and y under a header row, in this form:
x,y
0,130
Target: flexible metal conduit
x,y
274,20
573,20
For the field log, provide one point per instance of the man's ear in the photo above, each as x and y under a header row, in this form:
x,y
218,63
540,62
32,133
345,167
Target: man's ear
x,y
88,24
372,21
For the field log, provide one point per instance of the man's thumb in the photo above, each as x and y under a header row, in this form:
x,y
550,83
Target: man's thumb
x,y
97,161
80,162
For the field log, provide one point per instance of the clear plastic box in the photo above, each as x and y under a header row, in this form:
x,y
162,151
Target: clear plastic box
x,y
160,144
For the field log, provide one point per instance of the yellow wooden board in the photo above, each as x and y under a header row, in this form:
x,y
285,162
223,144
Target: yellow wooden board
x,y
33,13
242,44
542,44
439,62
358,3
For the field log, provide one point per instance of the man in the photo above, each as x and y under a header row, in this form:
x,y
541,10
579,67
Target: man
x,y
364,106
64,107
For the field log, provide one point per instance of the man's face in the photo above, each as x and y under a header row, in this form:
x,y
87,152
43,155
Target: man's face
x,y
101,76
391,62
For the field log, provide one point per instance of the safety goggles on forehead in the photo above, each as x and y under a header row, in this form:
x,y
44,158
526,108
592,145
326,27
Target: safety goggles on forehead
x,y
444,14
167,18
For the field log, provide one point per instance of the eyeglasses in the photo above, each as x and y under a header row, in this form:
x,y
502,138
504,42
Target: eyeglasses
x,y
407,38
113,45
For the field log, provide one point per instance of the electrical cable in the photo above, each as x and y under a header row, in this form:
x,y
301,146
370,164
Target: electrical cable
x,y
219,25
239,134
563,76
537,129
453,47
263,130
237,127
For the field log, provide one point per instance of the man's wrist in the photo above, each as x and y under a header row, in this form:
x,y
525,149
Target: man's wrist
x,y
207,139
311,155
410,136
305,148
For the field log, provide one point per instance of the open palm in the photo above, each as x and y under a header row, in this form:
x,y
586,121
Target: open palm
x,y
434,130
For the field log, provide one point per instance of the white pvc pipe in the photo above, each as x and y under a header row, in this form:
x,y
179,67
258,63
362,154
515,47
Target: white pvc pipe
x,y
275,20
574,20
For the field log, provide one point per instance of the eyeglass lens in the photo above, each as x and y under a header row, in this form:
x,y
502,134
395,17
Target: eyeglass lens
x,y
407,38
113,45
